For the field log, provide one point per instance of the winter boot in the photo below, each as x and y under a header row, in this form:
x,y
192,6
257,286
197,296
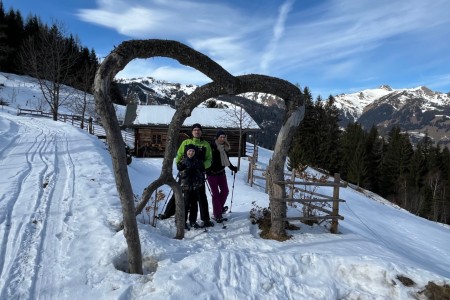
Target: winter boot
x,y
224,209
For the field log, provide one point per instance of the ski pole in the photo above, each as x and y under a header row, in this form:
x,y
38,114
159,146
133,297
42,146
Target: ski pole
x,y
232,191
209,188
168,197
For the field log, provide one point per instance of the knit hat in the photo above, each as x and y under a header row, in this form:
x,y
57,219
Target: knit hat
x,y
188,147
197,125
219,133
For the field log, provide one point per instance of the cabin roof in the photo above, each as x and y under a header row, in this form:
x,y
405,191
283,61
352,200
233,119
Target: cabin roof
x,y
154,115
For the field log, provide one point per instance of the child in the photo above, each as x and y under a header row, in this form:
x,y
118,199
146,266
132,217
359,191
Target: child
x,y
192,177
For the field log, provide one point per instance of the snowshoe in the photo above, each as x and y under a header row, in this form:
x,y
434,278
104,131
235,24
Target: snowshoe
x,y
221,220
162,217
196,225
208,224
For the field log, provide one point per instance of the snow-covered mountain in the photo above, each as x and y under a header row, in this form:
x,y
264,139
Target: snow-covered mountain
x,y
352,105
418,111
151,91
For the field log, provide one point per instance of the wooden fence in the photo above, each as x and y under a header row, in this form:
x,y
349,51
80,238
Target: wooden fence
x,y
90,125
297,194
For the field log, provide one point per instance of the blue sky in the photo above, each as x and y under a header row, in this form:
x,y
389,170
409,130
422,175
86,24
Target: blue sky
x,y
331,46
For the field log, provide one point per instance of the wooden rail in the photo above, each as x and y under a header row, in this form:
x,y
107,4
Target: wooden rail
x,y
310,203
90,125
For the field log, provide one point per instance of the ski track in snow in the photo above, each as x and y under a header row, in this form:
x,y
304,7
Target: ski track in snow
x,y
25,237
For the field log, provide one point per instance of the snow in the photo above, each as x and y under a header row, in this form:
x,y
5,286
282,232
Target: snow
x,y
59,211
208,117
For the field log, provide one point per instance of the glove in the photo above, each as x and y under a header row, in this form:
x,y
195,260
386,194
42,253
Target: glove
x,y
233,168
180,166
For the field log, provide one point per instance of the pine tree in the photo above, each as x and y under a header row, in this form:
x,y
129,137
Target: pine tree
x,y
302,149
330,133
13,31
395,162
352,153
374,152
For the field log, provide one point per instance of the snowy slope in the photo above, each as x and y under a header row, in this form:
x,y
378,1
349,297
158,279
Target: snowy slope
x,y
59,212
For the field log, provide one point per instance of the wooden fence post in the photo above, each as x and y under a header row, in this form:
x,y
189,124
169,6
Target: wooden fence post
x,y
90,128
291,194
266,190
335,212
250,173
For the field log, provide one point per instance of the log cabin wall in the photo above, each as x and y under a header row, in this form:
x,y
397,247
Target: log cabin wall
x,y
151,141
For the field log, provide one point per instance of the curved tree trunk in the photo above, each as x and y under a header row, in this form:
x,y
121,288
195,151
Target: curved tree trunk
x,y
114,63
275,173
247,83
223,83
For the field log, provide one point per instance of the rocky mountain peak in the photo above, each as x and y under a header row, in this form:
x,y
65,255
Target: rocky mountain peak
x,y
386,87
426,91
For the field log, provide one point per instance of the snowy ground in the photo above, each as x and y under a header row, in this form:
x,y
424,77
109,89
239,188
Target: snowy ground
x,y
59,211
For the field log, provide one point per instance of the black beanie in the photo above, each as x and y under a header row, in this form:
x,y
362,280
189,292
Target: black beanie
x,y
219,133
189,146
197,125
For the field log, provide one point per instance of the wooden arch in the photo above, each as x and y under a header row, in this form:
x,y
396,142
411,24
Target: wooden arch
x,y
223,84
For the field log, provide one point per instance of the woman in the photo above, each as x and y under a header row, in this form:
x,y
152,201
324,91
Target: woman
x,y
216,176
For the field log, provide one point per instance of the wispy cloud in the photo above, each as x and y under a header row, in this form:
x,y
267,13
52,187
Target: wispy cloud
x,y
165,19
278,31
218,30
349,39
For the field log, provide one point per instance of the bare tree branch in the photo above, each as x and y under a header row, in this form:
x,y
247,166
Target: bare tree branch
x,y
49,57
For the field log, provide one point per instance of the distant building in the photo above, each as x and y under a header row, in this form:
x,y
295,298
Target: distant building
x,y
151,122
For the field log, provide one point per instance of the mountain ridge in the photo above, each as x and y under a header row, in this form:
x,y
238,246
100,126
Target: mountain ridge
x,y
418,111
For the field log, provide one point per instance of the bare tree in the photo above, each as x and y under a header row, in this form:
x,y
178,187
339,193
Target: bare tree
x,y
433,180
49,57
84,102
240,119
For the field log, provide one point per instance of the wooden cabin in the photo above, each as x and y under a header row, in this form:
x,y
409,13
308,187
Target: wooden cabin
x,y
151,122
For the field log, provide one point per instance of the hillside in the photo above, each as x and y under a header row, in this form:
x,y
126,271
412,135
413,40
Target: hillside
x,y
59,211
418,111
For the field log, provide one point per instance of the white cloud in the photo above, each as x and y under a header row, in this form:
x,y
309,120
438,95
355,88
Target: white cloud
x,y
326,35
